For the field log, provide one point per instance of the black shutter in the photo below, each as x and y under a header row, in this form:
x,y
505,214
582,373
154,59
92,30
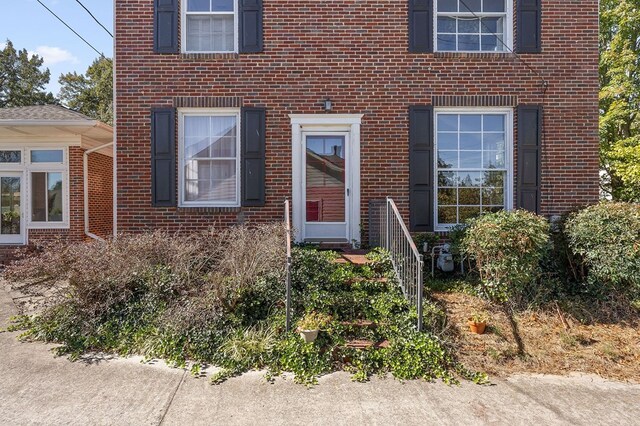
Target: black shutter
x,y
529,157
253,156
421,26
165,26
421,168
163,157
528,26
250,26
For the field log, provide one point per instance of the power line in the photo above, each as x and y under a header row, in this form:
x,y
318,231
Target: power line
x,y
94,18
74,31
540,76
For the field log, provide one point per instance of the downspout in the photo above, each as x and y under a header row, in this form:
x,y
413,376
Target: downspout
x,y
85,177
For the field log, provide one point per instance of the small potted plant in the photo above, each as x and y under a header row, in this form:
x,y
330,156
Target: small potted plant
x,y
311,324
477,323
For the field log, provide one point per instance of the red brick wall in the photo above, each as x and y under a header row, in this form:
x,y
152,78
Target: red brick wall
x,y
355,52
100,194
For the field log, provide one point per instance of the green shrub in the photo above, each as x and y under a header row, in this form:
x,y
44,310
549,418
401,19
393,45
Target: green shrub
x,y
507,248
606,239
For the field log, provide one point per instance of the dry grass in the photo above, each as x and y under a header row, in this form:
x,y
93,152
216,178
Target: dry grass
x,y
609,350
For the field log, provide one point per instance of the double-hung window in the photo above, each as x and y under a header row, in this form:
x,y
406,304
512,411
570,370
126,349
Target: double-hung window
x,y
209,25
209,158
473,164
473,25
47,170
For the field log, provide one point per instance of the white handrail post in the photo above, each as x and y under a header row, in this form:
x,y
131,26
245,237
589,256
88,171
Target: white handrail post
x,y
288,271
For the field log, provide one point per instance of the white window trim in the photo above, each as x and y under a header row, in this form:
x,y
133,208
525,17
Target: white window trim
x,y
207,112
508,40
183,26
508,112
63,168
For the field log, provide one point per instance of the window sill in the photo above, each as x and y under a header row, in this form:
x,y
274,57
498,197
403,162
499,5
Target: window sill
x,y
44,225
196,56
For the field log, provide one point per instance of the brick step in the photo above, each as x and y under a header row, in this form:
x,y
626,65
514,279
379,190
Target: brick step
x,y
359,323
366,344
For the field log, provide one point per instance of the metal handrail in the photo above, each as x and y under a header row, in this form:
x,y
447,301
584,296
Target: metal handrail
x,y
408,263
287,222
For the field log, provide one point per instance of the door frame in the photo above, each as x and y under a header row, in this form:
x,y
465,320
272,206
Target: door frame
x,y
302,124
17,239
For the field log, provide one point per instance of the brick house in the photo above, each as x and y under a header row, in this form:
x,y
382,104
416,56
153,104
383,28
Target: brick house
x,y
56,176
224,108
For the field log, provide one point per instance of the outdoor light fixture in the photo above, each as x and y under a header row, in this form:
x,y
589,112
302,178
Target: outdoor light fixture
x,y
328,104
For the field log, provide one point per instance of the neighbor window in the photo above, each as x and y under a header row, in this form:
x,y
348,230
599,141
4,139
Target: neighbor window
x,y
210,159
473,25
210,25
11,157
473,165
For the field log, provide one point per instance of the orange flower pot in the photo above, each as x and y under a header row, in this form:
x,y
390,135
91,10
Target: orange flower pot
x,y
477,327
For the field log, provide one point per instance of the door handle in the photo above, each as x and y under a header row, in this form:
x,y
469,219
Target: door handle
x,y
347,192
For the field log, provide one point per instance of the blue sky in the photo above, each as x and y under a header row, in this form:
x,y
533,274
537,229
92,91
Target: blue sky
x,y
30,26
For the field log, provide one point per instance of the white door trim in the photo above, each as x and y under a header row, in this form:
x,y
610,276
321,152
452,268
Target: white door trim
x,y
302,123
17,239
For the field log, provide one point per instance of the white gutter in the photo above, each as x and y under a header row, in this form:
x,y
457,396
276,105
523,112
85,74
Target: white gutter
x,y
85,177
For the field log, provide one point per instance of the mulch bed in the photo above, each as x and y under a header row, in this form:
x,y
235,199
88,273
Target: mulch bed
x,y
611,350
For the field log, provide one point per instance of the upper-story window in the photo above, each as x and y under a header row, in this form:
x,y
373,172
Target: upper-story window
x,y
209,25
473,25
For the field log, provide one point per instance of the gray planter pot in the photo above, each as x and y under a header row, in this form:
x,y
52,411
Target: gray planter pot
x,y
309,335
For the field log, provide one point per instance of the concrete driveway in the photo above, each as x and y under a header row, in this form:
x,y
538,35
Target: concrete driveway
x,y
37,388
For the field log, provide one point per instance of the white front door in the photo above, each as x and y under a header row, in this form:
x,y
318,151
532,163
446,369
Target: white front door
x,y
11,208
326,180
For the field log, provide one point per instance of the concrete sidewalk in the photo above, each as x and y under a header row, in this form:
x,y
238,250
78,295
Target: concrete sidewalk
x,y
37,388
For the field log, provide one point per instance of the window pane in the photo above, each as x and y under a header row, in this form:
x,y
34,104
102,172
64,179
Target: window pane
x,y
470,179
467,213
495,179
448,159
210,33
446,42
447,140
447,5
491,43
493,142
471,141
325,178
493,123
471,5
447,197
470,159
494,6
469,196
470,123
468,42
492,25
38,197
447,215
468,25
493,160
47,156
447,122
10,156
447,179
492,196
10,203
54,197
446,25
222,5
198,5
211,180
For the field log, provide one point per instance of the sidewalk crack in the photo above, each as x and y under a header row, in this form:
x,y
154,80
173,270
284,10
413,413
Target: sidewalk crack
x,y
173,395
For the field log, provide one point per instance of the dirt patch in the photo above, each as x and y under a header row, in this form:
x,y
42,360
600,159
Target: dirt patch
x,y
609,350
